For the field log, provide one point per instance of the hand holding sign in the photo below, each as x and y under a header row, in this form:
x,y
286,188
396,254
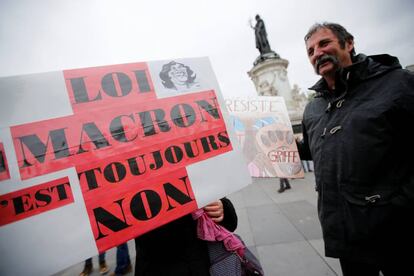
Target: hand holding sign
x,y
215,211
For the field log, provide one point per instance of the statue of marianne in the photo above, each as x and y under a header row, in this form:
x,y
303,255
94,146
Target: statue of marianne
x,y
262,44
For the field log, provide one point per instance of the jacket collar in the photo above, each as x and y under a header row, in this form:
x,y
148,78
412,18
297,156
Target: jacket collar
x,y
363,67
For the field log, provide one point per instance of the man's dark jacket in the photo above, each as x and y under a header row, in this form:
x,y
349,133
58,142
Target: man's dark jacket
x,y
358,137
174,248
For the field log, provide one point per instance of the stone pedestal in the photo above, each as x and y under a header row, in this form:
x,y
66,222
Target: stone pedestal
x,y
271,79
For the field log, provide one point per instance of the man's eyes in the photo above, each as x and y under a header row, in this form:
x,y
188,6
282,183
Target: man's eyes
x,y
321,44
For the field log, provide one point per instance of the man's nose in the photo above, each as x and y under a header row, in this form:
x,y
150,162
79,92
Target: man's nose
x,y
318,53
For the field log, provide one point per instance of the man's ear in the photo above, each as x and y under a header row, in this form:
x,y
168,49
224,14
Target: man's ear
x,y
349,45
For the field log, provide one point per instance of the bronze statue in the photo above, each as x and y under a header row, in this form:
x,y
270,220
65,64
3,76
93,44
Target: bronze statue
x,y
262,44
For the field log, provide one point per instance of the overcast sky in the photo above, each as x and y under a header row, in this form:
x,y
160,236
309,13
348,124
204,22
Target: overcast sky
x,y
50,35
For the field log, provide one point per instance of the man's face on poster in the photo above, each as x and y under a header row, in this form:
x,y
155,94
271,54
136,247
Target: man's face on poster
x,y
178,74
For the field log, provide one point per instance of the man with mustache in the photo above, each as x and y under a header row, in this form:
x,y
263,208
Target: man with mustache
x,y
355,132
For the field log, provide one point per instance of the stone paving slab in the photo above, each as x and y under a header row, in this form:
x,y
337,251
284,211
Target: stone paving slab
x,y
269,225
243,229
253,195
304,217
302,189
293,259
318,245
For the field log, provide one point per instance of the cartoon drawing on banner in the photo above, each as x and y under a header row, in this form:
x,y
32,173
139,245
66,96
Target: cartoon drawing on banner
x,y
278,144
178,76
265,134
246,128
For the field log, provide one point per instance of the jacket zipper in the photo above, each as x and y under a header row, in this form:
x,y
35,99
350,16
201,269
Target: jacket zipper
x,y
328,110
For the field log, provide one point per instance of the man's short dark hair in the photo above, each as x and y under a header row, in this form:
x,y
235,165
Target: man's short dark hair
x,y
339,31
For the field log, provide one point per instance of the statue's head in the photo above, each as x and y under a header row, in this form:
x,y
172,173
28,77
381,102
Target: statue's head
x,y
257,17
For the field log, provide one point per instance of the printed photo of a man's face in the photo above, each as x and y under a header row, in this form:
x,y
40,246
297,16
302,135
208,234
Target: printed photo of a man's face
x,y
175,75
178,74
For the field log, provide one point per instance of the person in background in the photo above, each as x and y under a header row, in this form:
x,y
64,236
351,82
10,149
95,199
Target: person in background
x,y
305,165
284,185
88,266
355,131
175,249
123,261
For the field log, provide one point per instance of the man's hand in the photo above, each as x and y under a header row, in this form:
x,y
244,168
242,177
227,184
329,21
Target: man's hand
x,y
215,211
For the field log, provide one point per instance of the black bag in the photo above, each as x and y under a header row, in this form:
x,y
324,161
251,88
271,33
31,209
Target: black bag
x,y
229,263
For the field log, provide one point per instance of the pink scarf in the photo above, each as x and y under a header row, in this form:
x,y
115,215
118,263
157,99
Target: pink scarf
x,y
208,230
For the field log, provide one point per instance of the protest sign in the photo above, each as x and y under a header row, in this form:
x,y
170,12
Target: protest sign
x,y
265,133
93,157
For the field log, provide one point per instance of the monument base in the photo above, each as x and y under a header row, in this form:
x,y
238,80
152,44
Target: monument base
x,y
263,57
269,75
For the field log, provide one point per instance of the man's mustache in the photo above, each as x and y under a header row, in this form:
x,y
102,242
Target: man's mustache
x,y
323,59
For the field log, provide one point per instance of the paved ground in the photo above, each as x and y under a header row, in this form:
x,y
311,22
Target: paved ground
x,y
281,229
